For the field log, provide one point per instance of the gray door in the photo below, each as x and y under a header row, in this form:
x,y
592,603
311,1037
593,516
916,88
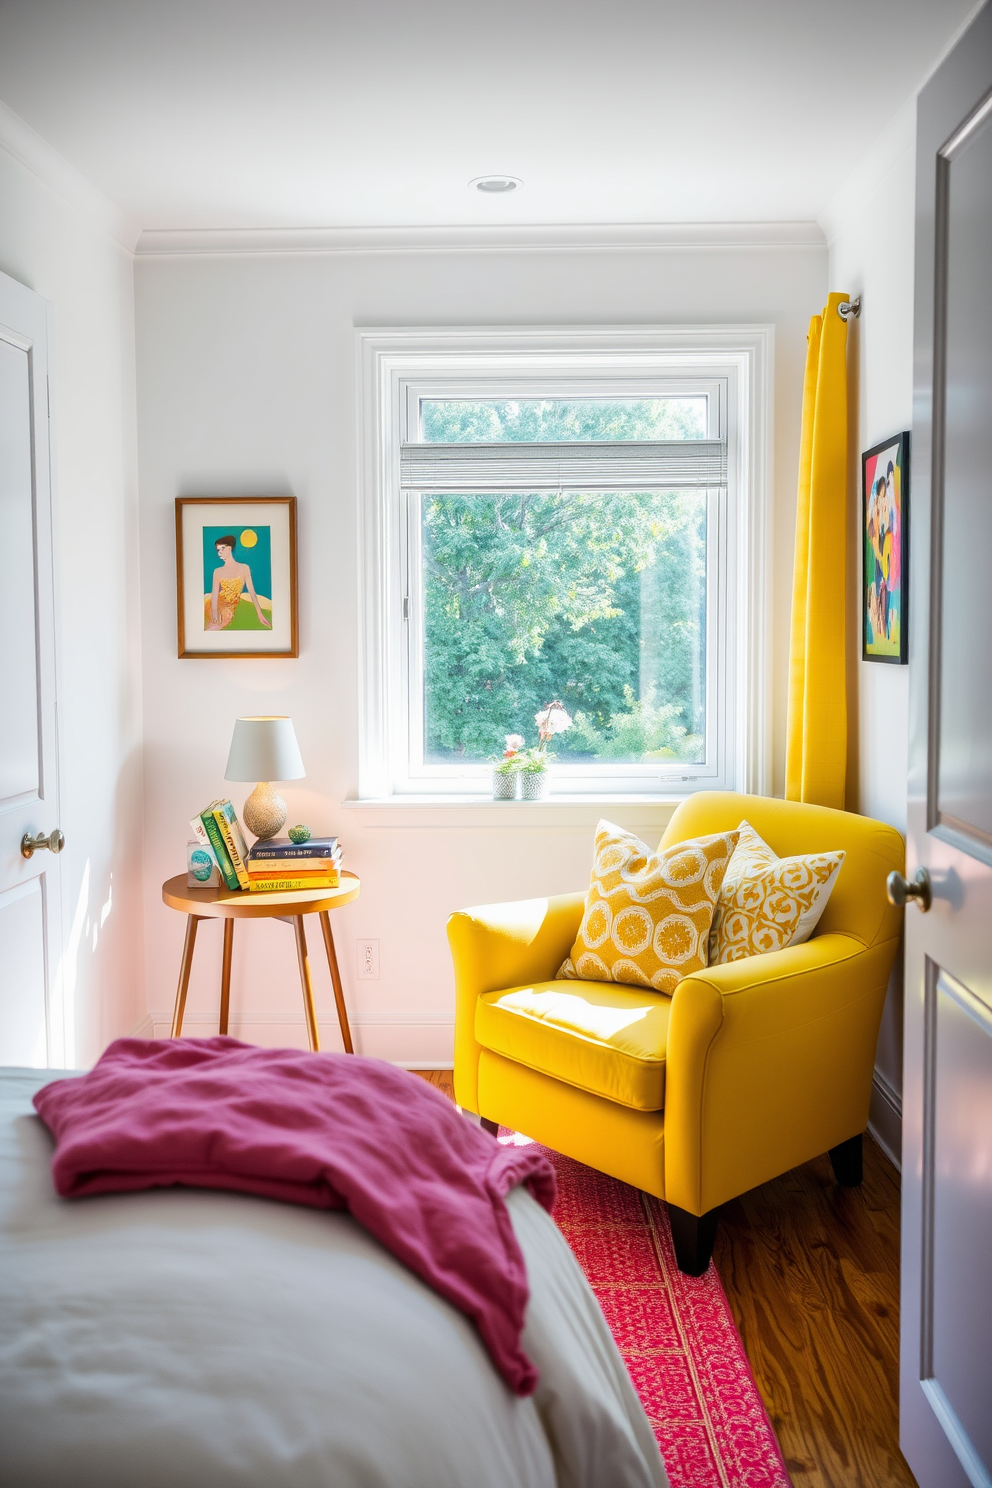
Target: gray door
x,y
946,1367
32,1024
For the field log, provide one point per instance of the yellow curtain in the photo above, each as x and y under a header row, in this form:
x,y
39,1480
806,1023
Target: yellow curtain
x,y
816,754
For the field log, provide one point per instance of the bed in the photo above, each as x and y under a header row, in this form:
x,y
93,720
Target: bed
x,y
208,1339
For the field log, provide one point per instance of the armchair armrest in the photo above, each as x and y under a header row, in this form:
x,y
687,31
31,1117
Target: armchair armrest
x,y
503,945
769,1063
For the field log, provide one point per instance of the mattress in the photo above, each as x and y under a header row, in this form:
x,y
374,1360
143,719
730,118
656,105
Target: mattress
x,y
203,1339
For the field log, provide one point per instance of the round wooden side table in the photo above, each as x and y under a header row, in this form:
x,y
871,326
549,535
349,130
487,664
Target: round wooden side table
x,y
243,904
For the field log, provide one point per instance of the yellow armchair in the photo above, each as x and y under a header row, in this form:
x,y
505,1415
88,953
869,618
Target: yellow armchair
x,y
748,1070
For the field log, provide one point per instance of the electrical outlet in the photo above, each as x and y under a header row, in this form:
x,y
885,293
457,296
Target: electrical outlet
x,y
368,960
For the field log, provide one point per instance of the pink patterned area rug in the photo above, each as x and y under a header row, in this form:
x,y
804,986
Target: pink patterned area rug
x,y
676,1334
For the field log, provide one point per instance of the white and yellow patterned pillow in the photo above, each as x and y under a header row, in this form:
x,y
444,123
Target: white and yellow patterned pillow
x,y
647,915
766,902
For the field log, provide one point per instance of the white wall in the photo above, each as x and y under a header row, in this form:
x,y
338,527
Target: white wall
x,y
58,240
246,385
870,229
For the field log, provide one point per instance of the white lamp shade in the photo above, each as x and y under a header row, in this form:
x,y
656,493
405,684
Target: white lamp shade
x,y
264,749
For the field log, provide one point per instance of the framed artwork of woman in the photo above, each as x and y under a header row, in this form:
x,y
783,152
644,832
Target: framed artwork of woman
x,y
236,576
885,510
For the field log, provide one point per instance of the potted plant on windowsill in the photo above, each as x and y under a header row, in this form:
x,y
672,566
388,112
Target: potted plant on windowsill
x,y
507,768
534,773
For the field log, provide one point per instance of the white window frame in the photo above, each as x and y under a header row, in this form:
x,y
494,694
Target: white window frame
x,y
399,367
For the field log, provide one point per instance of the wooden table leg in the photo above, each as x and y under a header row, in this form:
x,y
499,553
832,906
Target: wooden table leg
x,y
332,962
225,974
310,1010
177,1017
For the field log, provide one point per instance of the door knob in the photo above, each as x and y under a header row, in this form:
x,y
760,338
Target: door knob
x,y
54,842
900,889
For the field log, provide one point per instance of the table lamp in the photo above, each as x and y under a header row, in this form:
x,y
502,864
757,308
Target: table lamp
x,y
264,749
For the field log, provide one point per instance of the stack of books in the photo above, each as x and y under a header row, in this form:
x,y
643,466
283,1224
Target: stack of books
x,y
218,830
284,865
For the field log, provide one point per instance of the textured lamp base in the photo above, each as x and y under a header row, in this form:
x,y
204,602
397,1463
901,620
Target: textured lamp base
x,y
264,811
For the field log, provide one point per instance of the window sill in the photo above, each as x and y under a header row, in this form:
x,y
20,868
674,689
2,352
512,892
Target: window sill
x,y
579,812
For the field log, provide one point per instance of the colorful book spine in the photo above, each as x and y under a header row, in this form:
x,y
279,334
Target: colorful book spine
x,y
308,868
237,849
291,885
282,847
220,850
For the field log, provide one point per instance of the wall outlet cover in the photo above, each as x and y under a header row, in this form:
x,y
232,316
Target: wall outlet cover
x,y
368,960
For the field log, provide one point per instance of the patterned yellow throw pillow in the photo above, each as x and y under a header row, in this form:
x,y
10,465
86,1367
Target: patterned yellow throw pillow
x,y
768,902
647,915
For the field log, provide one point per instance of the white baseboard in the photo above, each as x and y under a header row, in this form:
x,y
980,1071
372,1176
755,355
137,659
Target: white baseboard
x,y
422,1045
885,1118
145,1028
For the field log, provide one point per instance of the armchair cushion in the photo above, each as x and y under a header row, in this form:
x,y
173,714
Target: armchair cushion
x,y
599,1036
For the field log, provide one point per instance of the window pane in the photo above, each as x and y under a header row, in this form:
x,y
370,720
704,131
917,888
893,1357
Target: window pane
x,y
548,420
597,599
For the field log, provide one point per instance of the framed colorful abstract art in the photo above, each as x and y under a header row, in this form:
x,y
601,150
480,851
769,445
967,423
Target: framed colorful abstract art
x,y
236,575
885,497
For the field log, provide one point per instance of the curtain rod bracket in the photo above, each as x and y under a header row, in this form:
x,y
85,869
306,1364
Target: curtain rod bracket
x,y
849,307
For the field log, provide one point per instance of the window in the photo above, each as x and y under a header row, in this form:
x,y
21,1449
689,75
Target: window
x,y
555,521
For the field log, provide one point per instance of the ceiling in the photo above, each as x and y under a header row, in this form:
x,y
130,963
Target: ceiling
x,y
338,113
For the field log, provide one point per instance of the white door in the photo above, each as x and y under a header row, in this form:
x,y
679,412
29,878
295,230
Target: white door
x,y
946,1365
32,1028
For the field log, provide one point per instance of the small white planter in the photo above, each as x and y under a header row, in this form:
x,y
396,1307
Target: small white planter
x,y
534,785
504,785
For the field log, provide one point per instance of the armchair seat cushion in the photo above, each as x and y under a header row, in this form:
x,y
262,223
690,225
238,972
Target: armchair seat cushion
x,y
599,1036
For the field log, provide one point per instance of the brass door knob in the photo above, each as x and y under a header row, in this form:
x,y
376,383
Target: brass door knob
x,y
899,890
54,842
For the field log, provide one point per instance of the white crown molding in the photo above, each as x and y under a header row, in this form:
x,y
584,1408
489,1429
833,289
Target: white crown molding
x,y
630,237
36,155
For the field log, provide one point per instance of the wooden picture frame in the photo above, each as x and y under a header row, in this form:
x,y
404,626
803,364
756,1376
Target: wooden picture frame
x,y
238,600
885,551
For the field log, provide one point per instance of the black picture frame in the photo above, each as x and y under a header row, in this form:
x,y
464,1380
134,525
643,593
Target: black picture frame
x,y
885,551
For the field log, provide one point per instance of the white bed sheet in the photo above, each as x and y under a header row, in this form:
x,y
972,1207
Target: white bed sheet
x,y
182,1339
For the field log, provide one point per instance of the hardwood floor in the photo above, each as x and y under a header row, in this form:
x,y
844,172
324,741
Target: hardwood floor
x,y
443,1079
811,1271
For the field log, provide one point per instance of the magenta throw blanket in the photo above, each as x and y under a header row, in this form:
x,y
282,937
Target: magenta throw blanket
x,y
332,1131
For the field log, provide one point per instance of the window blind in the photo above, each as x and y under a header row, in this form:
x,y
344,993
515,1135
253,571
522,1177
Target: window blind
x,y
673,465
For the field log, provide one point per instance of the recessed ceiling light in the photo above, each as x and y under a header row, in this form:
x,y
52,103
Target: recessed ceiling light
x,y
496,185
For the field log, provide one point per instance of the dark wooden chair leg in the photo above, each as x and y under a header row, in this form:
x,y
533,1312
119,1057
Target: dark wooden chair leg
x,y
492,1127
693,1236
847,1161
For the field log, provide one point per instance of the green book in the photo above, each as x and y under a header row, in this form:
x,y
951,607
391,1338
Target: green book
x,y
224,863
226,818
